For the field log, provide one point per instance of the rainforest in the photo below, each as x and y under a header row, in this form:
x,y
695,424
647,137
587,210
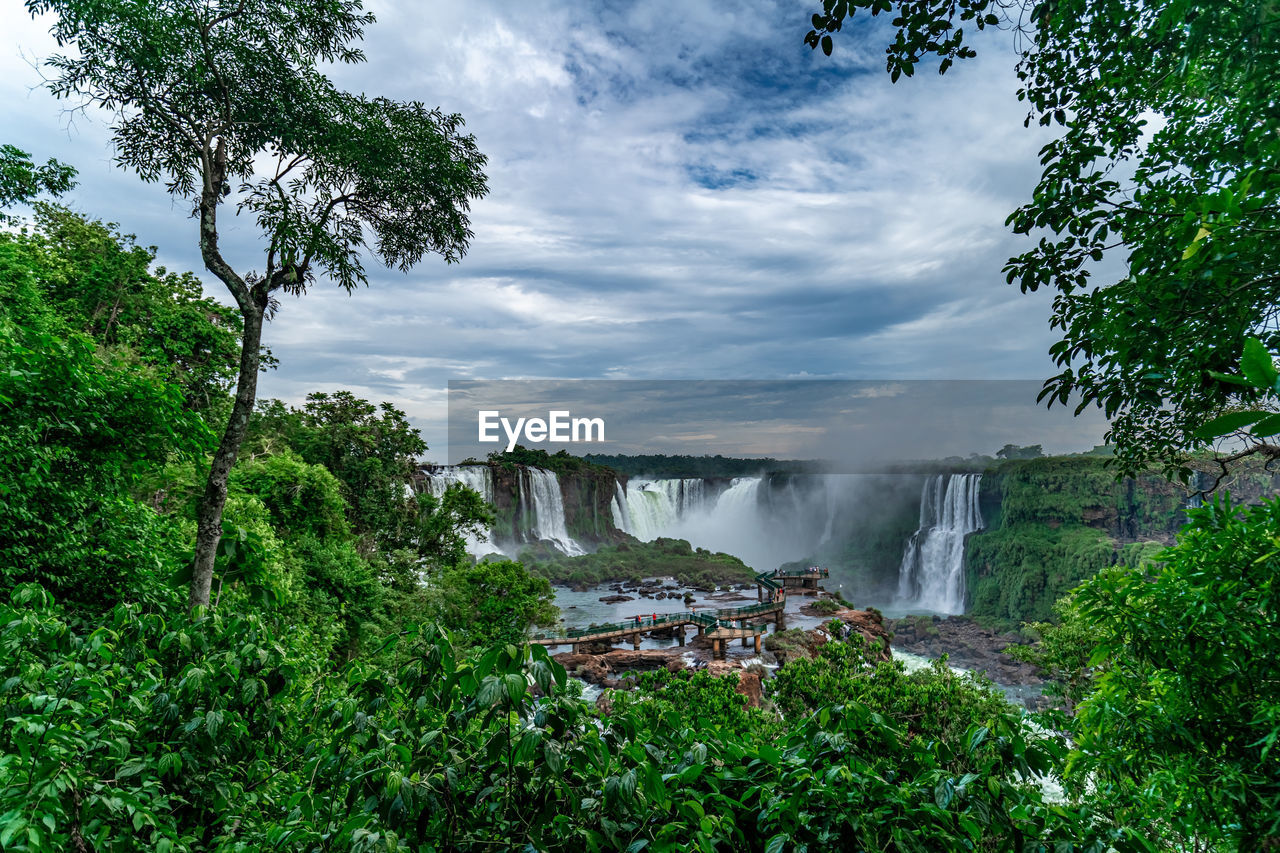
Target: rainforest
x,y
245,606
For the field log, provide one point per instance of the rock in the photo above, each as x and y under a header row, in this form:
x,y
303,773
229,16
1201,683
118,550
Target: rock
x,y
600,668
967,645
870,624
615,599
748,682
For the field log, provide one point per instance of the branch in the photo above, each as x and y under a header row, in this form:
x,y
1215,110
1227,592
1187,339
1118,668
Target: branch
x,y
1271,451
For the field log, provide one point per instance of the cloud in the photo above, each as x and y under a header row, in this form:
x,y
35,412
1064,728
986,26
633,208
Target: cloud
x,y
677,191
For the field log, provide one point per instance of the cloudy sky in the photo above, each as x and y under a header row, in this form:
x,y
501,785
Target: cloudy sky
x,y
679,190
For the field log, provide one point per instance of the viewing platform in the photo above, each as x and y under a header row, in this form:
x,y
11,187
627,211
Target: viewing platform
x,y
720,627
804,581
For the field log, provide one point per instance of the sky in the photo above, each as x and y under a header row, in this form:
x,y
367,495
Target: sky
x,y
678,190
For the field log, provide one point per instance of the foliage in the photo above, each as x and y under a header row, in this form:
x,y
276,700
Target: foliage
x,y
691,700
933,704
447,522
678,466
199,93
21,180
825,606
372,451
1016,573
1255,427
492,603
634,560
76,432
228,99
924,27
1190,203
1051,523
1013,451
562,461
224,732
104,283
1181,728
99,282
1060,652
304,500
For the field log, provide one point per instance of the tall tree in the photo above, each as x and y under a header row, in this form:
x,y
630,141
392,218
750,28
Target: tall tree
x,y
1168,160
224,101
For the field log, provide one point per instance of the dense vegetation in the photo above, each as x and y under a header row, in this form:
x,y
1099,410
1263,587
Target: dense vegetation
x,y
634,560
312,708
661,466
326,670
562,461
1052,522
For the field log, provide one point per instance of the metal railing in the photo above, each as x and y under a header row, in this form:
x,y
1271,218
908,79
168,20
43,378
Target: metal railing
x,y
705,619
802,573
766,580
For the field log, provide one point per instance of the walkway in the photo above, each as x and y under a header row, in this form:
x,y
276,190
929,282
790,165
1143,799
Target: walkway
x,y
717,625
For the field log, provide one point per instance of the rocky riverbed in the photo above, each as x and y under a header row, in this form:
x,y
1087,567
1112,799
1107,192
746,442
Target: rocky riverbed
x,y
967,645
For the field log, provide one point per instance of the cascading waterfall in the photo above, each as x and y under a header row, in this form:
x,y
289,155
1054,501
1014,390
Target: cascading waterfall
x,y
477,477
764,521
648,508
542,510
932,573
618,508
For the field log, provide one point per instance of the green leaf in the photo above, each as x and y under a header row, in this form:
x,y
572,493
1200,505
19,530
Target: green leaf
x,y
1194,247
1228,423
1266,427
11,829
1257,366
1229,377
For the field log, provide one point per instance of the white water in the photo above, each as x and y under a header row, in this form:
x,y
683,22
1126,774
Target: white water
x,y
541,506
542,510
931,576
477,477
646,508
765,525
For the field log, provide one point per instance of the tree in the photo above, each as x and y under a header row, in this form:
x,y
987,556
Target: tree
x,y
492,604
203,94
21,180
373,451
76,429
1166,161
104,285
1182,727
1013,451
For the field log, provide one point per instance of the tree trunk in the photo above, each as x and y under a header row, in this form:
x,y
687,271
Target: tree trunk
x,y
209,514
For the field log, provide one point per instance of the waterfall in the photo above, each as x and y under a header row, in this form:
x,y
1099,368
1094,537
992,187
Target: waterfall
x,y
740,500
542,510
477,477
648,508
932,573
618,507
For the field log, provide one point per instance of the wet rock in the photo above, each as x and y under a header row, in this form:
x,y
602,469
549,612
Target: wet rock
x,y
748,682
615,599
602,669
789,645
967,644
